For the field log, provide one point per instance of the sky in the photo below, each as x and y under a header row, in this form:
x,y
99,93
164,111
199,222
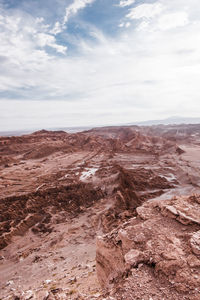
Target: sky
x,y
70,63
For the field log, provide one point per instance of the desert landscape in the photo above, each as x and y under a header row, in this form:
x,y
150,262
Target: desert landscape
x,y
99,150
108,213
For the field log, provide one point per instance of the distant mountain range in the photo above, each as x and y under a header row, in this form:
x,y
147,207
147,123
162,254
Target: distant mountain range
x,y
170,121
67,129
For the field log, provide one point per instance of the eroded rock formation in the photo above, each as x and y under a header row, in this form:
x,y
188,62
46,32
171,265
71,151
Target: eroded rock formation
x,y
163,237
58,191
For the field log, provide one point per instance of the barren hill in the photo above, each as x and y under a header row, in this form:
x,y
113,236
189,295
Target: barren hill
x,y
133,190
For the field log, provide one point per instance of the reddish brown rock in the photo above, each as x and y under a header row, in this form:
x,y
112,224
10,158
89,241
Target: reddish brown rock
x,y
157,239
60,190
195,243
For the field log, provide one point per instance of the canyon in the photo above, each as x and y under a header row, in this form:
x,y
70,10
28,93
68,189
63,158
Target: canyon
x,y
109,213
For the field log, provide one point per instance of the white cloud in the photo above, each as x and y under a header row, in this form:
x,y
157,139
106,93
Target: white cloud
x,y
75,7
23,38
43,40
173,20
128,24
160,15
22,51
124,3
145,11
121,25
133,76
70,11
58,28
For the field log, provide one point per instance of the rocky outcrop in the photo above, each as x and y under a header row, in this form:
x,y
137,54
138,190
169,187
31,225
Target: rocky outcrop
x,y
164,237
195,243
19,213
44,143
126,190
185,211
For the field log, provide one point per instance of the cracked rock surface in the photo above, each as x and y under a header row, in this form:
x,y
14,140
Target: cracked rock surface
x,y
162,242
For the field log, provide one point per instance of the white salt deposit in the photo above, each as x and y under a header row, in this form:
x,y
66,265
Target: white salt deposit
x,y
89,172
